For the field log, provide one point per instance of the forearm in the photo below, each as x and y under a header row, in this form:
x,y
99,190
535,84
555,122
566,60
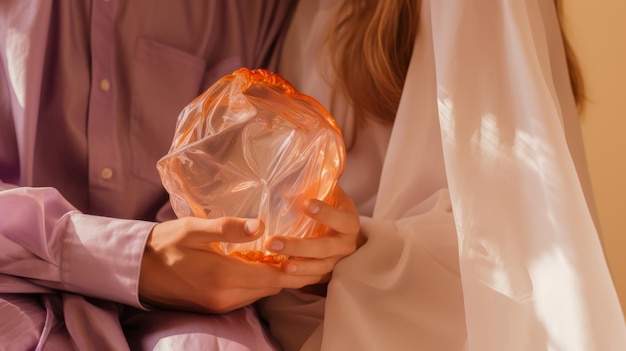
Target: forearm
x,y
50,244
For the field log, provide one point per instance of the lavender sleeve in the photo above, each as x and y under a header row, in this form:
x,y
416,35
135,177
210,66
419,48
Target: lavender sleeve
x,y
58,247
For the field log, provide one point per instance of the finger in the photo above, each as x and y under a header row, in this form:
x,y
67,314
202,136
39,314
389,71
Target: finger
x,y
329,245
343,218
309,267
226,229
263,275
288,281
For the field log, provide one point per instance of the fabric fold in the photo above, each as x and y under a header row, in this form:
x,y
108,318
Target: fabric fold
x,y
534,275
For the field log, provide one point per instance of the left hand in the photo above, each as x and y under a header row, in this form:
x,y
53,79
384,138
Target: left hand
x,y
318,256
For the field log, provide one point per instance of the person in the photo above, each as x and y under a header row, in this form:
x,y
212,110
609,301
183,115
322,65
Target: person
x,y
91,255
466,164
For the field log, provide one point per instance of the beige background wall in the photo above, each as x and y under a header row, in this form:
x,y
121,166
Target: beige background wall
x,y
597,30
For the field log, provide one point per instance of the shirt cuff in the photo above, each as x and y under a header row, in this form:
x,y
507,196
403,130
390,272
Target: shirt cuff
x,y
102,257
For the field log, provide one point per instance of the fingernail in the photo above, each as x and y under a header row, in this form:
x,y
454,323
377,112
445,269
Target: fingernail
x,y
291,268
252,226
276,245
313,208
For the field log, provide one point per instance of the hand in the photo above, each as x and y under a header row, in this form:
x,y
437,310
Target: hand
x,y
181,268
317,257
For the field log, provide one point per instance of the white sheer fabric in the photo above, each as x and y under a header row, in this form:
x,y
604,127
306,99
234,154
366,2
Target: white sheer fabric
x,y
534,275
480,238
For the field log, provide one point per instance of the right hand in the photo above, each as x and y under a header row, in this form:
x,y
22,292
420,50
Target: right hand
x,y
181,269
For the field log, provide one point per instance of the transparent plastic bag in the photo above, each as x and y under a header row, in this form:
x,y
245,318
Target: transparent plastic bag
x,y
251,146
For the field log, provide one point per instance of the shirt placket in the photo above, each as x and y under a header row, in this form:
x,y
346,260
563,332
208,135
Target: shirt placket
x,y
103,147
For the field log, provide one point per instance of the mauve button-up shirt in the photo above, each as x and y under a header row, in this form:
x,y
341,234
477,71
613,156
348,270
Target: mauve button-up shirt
x,y
89,96
116,75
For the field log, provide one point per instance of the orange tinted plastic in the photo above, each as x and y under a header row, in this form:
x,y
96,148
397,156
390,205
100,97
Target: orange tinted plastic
x,y
252,146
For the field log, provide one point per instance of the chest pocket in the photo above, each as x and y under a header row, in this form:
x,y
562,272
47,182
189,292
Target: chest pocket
x,y
164,80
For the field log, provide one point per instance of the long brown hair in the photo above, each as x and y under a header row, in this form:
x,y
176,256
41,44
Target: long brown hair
x,y
372,42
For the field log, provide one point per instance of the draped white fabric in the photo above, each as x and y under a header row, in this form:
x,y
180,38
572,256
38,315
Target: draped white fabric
x,y
533,272
481,238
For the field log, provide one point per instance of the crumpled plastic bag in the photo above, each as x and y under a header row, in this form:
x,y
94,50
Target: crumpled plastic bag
x,y
251,146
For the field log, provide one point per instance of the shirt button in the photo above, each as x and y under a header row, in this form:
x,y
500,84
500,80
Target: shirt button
x,y
106,173
105,85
